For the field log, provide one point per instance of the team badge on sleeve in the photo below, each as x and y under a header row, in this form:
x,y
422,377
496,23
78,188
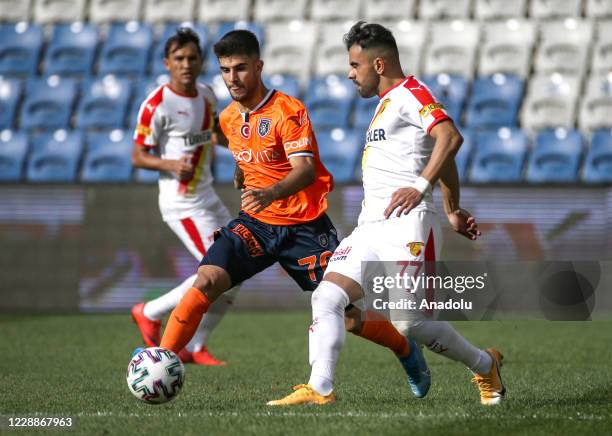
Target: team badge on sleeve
x,y
415,248
263,126
143,130
428,109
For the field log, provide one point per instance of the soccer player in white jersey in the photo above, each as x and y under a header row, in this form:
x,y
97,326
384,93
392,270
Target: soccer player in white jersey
x,y
175,135
410,144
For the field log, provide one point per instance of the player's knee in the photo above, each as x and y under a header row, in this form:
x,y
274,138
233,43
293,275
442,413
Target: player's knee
x,y
212,280
352,320
329,296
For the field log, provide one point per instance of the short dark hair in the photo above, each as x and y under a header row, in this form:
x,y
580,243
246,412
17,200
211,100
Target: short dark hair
x,y
237,42
370,35
182,37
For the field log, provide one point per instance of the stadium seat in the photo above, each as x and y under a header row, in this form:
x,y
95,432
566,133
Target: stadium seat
x,y
212,64
450,91
495,102
54,11
126,50
13,150
15,10
289,49
410,38
48,103
340,150
10,95
598,8
215,81
488,10
555,156
550,102
143,175
444,9
598,162
103,103
223,165
156,11
363,114
329,101
157,65
546,9
330,54
20,48
72,49
464,155
335,10
499,156
564,47
286,84
507,47
453,48
601,62
55,156
279,10
106,11
382,11
218,11
596,104
108,159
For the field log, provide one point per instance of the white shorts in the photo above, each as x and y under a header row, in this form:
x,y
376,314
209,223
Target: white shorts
x,y
197,230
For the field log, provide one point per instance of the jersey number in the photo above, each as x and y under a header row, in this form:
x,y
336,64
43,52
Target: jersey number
x,y
311,261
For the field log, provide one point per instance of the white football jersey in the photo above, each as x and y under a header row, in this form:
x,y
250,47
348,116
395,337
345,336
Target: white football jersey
x,y
398,146
180,125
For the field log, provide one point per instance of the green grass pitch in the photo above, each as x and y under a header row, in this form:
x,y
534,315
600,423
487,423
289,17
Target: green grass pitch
x,y
558,375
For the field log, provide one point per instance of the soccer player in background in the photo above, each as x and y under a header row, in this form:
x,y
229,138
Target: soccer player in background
x,y
283,205
175,135
410,144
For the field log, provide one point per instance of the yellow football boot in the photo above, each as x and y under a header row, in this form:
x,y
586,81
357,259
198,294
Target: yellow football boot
x,y
492,389
303,394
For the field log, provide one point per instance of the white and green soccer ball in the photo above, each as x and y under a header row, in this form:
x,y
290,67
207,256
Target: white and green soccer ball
x,y
155,375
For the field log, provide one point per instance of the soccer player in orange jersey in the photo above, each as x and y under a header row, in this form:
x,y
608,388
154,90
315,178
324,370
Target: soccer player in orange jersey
x,y
283,203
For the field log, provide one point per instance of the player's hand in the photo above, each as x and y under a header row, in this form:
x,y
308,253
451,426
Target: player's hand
x,y
464,223
183,168
256,200
404,200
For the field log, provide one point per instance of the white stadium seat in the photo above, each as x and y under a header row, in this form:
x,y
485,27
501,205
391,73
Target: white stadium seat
x,y
564,46
596,105
388,10
104,11
555,8
443,9
335,10
550,101
214,11
279,10
53,11
496,9
602,50
15,10
331,55
156,11
598,8
507,47
410,38
451,47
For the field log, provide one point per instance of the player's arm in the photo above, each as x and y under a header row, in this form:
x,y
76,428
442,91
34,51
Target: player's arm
x,y
447,143
302,175
218,137
142,158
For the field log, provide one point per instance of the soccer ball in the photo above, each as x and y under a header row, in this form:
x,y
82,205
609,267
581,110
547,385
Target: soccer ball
x,y
155,375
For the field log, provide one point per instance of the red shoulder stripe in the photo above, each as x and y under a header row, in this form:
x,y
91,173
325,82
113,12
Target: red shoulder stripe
x,y
149,110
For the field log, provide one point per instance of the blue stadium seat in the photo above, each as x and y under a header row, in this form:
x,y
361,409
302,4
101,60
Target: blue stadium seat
x,y
215,81
463,156
340,150
20,48
285,83
55,156
157,65
555,157
108,158
451,91
499,156
146,176
495,101
104,103
126,50
48,103
329,101
211,62
223,165
363,113
10,95
598,162
72,49
13,150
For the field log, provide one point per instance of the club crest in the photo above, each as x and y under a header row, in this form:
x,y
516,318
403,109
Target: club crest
x,y
323,240
415,248
263,126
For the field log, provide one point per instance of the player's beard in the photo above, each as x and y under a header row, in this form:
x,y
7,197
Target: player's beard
x,y
367,90
239,97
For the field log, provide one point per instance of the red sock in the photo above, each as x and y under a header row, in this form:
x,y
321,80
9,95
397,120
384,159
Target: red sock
x,y
378,329
184,320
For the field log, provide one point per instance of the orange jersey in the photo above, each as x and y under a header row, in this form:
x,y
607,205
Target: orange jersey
x,y
262,142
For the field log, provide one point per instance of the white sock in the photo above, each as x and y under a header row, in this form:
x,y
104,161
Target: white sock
x,y
161,306
211,320
440,337
326,334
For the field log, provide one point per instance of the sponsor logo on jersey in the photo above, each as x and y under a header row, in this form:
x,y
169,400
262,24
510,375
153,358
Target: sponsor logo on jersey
x,y
263,126
341,254
195,139
376,135
245,130
429,108
249,240
296,145
143,130
415,248
260,156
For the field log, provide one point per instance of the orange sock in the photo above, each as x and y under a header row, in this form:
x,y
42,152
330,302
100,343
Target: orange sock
x,y
184,320
378,329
